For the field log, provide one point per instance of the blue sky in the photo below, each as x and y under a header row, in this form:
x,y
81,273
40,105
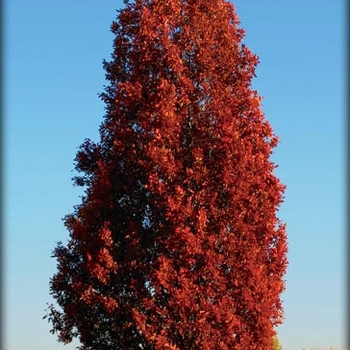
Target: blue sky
x,y
53,72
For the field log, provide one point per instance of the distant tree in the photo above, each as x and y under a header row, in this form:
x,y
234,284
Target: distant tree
x,y
176,244
276,345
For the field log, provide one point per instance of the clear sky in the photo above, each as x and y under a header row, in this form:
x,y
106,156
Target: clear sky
x,y
53,72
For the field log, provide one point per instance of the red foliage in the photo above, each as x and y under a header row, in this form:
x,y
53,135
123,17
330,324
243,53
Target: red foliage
x,y
176,244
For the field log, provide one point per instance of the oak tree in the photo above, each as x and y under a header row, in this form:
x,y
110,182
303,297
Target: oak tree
x,y
176,243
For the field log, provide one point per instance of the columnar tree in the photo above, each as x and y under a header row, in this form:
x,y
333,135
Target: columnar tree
x,y
176,243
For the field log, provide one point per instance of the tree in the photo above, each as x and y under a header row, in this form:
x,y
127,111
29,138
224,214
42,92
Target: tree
x,y
276,345
176,243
